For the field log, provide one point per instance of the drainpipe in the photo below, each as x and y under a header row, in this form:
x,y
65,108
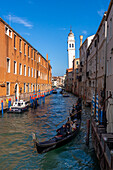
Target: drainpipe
x,y
96,44
104,109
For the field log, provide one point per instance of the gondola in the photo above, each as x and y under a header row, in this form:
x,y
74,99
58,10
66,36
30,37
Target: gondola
x,y
65,95
57,141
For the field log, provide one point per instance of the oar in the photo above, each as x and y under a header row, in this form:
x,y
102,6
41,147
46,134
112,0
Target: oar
x,y
63,120
76,113
60,122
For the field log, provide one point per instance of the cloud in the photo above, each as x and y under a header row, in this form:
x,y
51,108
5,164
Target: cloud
x,y
84,32
27,33
30,2
19,20
62,29
101,12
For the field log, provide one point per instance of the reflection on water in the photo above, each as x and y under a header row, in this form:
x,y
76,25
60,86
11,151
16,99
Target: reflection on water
x,y
17,148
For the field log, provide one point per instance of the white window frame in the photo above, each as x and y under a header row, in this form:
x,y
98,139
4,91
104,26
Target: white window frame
x,y
24,70
31,72
8,69
15,67
39,59
38,73
20,69
6,89
20,45
34,73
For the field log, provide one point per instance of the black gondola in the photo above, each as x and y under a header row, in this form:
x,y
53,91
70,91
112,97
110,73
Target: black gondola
x,y
57,141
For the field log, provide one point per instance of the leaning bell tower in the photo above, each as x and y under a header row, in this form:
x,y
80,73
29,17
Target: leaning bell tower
x,y
71,48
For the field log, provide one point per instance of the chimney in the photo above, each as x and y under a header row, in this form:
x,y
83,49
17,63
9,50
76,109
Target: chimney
x,y
47,57
81,38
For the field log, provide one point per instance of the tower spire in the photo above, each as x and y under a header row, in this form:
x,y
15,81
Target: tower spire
x,y
70,28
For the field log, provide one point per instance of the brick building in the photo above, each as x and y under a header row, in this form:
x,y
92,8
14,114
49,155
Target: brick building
x,y
23,69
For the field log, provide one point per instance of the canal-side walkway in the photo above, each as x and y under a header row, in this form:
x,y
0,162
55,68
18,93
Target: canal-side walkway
x,y
103,145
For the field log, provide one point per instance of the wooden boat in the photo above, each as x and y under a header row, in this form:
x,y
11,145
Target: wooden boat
x,y
18,107
56,141
65,95
54,91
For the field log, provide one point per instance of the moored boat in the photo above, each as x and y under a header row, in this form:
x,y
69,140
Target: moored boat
x,y
57,141
18,107
65,95
54,91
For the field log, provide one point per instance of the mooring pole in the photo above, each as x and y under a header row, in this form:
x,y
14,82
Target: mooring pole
x,y
88,132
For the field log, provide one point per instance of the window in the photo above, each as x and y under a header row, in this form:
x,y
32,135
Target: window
x,y
76,62
31,87
28,52
70,45
28,87
107,68
25,49
8,89
28,71
6,30
34,55
34,73
14,41
20,45
31,72
38,73
107,33
20,68
24,87
110,27
8,65
34,87
24,70
15,67
10,33
110,67
39,59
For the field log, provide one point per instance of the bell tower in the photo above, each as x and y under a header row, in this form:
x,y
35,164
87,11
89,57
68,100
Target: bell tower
x,y
71,48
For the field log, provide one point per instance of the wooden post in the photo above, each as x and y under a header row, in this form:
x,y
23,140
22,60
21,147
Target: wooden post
x,y
88,131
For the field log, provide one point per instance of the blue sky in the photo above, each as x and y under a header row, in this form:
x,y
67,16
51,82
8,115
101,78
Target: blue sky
x,y
46,23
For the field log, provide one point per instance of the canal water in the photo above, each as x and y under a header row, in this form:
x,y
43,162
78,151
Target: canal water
x,y
17,148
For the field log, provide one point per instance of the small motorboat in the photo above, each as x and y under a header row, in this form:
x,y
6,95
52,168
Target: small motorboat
x,y
57,141
54,91
65,95
18,107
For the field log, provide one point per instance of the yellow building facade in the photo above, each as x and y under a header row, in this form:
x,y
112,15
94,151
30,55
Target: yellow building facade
x,y
22,68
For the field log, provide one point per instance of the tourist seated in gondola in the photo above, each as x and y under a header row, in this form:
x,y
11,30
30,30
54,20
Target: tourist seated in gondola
x,y
61,131
73,109
73,126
